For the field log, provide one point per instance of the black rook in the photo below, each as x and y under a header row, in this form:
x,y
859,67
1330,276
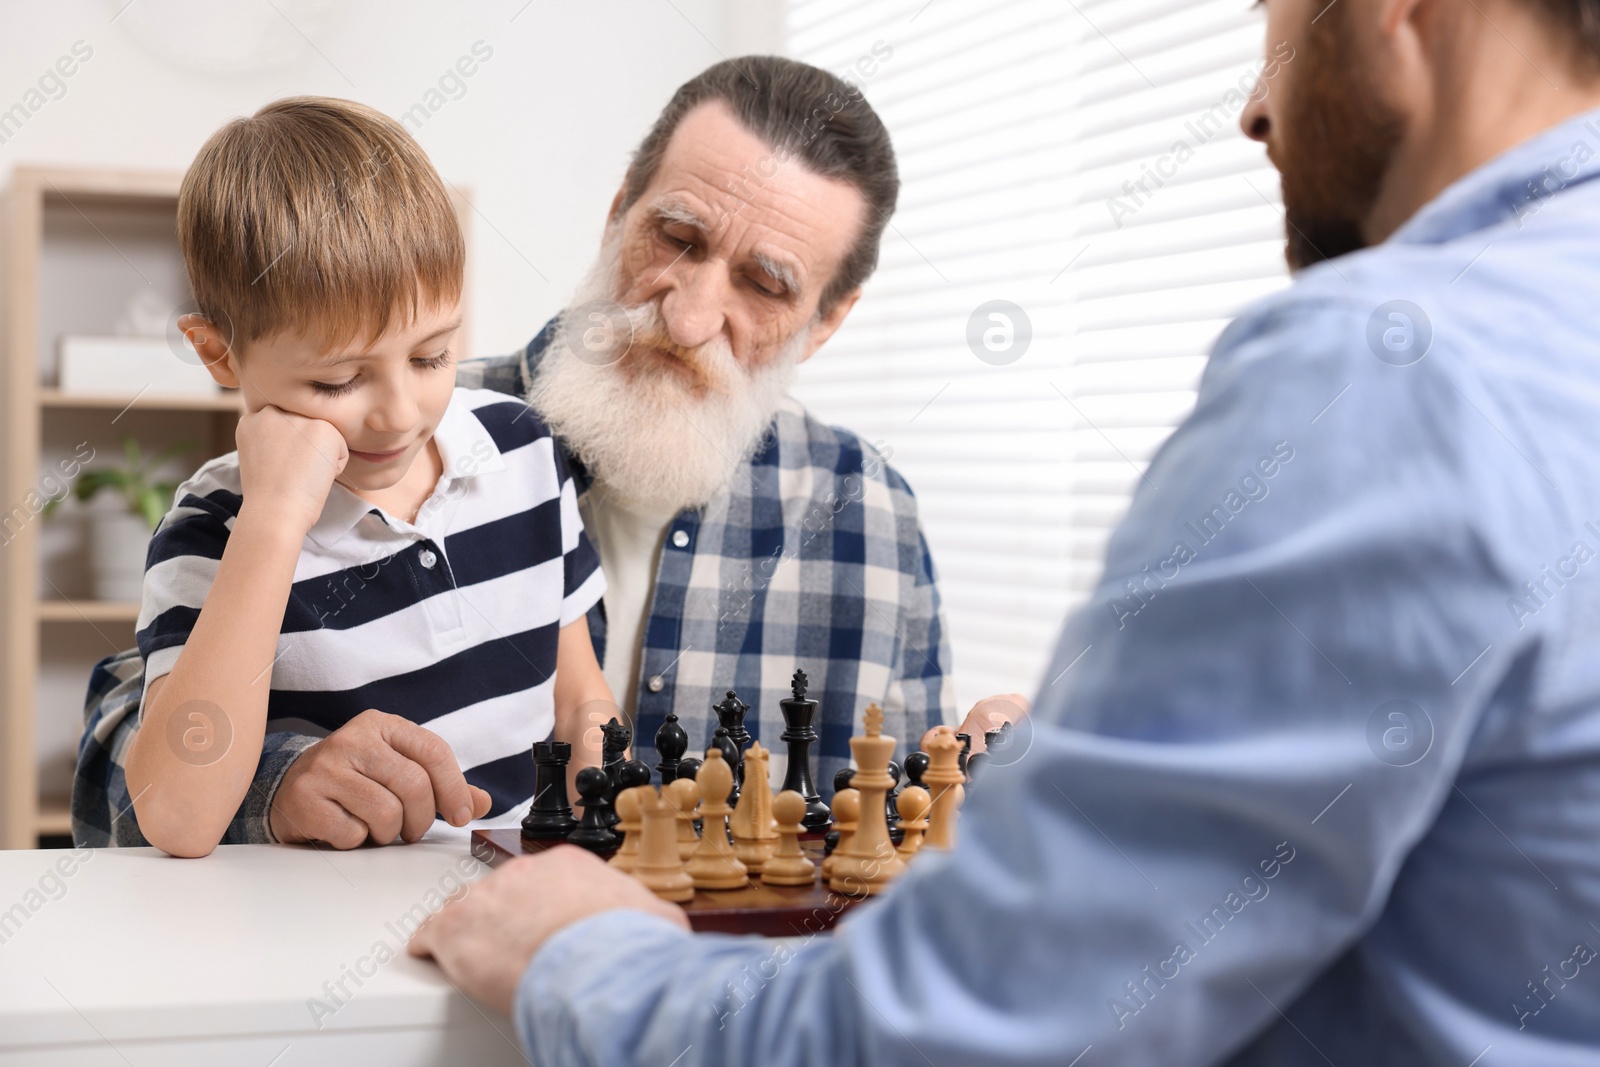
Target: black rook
x,y
550,816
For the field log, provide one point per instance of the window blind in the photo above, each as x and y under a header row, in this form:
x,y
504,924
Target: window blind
x,y
1083,162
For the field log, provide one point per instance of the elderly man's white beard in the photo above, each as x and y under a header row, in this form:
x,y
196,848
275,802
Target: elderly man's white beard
x,y
649,439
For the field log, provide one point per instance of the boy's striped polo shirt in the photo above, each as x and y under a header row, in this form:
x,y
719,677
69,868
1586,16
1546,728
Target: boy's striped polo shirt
x,y
451,620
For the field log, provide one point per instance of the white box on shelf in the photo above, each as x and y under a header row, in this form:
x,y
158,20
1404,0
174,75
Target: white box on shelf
x,y
128,365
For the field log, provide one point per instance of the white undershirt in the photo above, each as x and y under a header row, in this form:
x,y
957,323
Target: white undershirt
x,y
629,543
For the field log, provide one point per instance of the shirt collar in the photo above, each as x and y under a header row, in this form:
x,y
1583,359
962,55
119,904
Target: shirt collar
x,y
466,450
1513,185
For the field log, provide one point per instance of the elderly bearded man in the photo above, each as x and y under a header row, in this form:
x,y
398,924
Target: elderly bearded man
x,y
741,538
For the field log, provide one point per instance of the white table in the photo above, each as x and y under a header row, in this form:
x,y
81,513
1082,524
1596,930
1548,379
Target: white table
x,y
132,957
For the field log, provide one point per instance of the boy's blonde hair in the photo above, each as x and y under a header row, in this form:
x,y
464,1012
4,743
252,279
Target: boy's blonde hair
x,y
316,216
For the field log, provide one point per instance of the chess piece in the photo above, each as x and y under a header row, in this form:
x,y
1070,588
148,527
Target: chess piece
x,y
993,737
789,865
684,795
799,717
633,773
594,830
916,767
550,816
688,769
659,866
944,785
628,825
846,810
914,805
890,809
841,782
629,774
713,865
730,714
966,752
614,741
974,761
754,838
722,741
671,744
867,863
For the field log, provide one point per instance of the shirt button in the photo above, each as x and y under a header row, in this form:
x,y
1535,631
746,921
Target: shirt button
x,y
680,539
427,558
656,684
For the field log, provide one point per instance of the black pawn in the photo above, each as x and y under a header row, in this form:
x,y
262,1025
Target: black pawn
x,y
721,739
730,715
799,715
671,744
841,780
891,805
916,767
633,773
629,773
594,832
549,817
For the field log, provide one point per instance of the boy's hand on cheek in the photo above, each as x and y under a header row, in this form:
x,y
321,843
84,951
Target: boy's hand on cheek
x,y
287,464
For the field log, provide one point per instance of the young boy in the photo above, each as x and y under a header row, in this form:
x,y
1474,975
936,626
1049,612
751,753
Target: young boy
x,y
381,539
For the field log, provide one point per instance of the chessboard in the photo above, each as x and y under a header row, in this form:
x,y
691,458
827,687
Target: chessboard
x,y
771,911
712,836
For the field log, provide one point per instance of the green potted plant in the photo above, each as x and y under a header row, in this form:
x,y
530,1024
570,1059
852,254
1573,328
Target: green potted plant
x,y
119,536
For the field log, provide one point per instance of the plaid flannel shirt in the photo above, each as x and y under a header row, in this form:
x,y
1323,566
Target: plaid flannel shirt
x,y
813,558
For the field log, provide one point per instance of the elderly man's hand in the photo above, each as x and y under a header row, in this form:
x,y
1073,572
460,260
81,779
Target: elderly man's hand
x,y
484,940
988,714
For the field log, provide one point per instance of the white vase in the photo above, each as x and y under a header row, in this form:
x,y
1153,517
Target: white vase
x,y
117,544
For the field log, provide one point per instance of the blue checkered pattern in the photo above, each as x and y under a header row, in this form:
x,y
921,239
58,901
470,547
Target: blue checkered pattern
x,y
813,558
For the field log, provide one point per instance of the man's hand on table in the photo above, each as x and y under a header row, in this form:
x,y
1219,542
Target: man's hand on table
x,y
987,714
484,940
377,777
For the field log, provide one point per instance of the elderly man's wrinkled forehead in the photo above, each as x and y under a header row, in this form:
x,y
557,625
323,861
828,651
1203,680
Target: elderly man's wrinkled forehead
x,y
751,200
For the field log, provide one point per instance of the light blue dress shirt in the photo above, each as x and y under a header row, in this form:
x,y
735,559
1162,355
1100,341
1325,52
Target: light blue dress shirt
x,y
1314,776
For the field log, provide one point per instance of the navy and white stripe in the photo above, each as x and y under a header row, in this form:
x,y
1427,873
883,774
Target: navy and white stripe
x,y
451,621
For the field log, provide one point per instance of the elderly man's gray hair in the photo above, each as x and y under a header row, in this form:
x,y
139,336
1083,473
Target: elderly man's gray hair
x,y
804,113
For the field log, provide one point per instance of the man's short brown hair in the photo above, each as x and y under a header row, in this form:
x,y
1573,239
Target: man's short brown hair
x,y
316,216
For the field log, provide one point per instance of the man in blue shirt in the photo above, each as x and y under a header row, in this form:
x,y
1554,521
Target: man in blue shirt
x,y
1318,778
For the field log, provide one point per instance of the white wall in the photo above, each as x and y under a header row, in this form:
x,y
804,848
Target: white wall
x,y
540,133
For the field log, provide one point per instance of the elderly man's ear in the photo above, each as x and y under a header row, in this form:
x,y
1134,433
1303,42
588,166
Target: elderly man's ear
x,y
212,347
827,324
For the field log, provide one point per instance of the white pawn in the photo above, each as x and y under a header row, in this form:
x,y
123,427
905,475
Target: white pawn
x,y
713,865
788,865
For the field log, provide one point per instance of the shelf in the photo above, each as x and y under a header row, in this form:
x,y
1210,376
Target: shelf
x,y
55,817
88,611
55,398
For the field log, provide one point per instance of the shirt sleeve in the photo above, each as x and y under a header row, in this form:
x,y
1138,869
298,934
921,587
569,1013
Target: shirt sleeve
x,y
1211,801
102,807
180,566
585,582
